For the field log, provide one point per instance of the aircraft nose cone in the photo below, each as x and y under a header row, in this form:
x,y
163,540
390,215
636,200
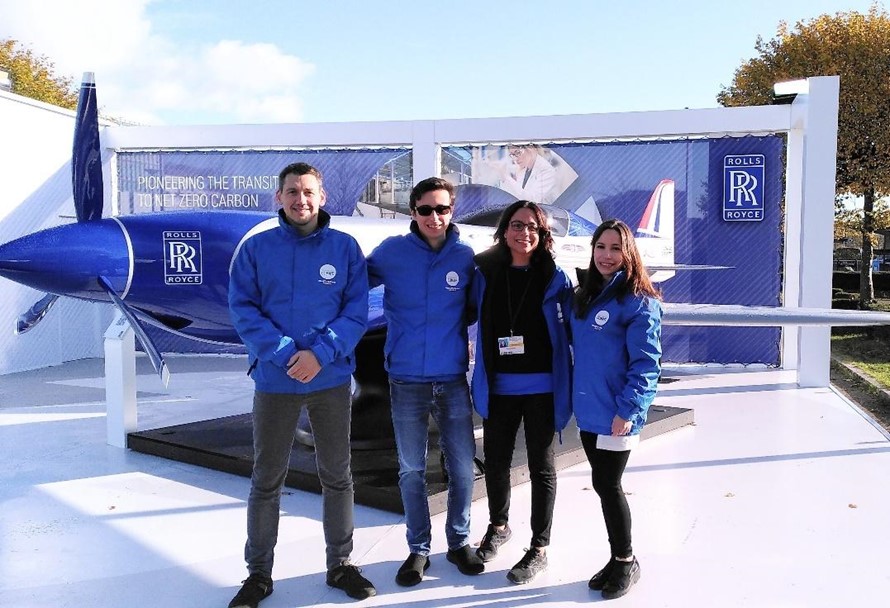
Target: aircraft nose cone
x,y
66,260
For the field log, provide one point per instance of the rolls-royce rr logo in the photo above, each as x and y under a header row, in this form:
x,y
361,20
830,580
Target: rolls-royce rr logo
x,y
182,257
743,187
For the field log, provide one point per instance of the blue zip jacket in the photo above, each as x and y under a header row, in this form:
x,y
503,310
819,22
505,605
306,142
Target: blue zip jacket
x,y
557,306
425,302
617,347
289,292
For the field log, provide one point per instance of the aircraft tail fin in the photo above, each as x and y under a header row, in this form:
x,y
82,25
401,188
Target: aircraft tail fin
x,y
86,155
655,234
658,218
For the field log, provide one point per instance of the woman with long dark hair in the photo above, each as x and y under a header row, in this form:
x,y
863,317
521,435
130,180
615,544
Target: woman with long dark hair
x,y
616,336
522,373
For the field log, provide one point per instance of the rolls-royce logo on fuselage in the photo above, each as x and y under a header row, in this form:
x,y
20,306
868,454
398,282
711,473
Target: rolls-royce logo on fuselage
x,y
182,257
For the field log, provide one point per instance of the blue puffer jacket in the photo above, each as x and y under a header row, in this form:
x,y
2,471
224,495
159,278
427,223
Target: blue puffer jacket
x,y
289,292
557,304
426,305
617,347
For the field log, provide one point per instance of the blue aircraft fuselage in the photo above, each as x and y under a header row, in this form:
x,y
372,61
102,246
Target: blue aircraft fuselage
x,y
172,268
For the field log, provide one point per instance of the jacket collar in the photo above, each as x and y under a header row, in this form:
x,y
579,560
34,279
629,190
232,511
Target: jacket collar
x,y
497,258
324,220
614,284
451,234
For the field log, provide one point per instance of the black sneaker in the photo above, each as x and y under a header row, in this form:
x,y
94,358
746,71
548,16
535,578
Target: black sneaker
x,y
466,560
624,576
256,588
492,541
532,563
349,578
599,579
411,572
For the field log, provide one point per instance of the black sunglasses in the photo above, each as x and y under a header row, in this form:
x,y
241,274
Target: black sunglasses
x,y
426,210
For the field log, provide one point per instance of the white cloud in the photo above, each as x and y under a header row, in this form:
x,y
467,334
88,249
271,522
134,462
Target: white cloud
x,y
83,36
144,76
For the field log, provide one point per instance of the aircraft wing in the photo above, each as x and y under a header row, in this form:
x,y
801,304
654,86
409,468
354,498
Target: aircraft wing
x,y
666,267
767,316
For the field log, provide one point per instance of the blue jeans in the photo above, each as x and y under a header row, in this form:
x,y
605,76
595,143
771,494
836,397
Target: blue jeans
x,y
275,417
449,403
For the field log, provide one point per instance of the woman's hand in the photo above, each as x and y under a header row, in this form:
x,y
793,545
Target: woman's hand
x,y
620,426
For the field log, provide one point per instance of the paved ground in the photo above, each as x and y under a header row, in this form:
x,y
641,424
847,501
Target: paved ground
x,y
778,496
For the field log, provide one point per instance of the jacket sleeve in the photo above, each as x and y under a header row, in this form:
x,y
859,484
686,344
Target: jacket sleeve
x,y
342,334
477,292
471,310
643,344
258,332
566,301
375,262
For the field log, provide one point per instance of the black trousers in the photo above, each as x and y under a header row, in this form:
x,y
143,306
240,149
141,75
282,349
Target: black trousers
x,y
607,468
505,413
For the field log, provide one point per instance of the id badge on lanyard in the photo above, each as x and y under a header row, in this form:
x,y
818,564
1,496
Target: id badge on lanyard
x,y
511,345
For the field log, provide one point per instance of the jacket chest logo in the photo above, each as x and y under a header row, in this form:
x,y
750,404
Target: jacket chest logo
x,y
600,318
327,272
452,279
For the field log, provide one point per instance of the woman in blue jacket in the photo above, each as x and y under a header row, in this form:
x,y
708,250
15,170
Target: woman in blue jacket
x,y
522,373
616,334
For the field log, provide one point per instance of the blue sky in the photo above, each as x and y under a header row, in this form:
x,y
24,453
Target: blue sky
x,y
270,61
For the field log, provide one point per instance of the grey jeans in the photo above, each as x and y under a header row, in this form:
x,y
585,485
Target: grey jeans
x,y
274,426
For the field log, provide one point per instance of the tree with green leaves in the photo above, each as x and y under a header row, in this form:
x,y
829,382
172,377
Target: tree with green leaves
x,y
34,76
856,47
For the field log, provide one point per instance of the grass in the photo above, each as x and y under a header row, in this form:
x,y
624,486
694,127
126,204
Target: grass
x,y
865,352
869,353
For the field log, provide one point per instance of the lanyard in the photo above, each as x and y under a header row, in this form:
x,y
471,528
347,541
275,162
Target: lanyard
x,y
510,314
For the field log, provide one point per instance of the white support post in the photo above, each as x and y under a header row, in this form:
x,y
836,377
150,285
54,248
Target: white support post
x,y
120,381
816,227
426,153
793,268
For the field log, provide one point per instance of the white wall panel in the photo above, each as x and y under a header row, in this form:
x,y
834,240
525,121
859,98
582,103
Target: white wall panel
x,y
35,169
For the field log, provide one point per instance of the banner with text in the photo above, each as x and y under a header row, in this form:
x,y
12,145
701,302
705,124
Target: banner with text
x,y
714,202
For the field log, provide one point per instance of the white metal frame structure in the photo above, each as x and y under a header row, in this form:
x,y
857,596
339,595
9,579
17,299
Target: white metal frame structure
x,y
810,122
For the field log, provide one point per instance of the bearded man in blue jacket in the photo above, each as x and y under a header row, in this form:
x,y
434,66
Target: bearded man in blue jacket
x,y
426,276
298,297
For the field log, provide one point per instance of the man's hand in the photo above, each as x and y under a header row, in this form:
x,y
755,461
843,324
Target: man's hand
x,y
303,366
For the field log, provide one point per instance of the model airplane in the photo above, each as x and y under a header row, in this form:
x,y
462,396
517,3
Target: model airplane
x,y
171,269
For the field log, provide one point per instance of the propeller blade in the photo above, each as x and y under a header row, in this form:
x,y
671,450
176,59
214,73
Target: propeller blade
x,y
35,314
86,155
154,355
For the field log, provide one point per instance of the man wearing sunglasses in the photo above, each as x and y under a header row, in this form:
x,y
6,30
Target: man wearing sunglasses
x,y
426,275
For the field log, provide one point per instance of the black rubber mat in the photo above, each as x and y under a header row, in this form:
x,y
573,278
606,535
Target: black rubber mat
x,y
226,444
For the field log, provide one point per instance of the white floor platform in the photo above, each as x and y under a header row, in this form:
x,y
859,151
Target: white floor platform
x,y
777,497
